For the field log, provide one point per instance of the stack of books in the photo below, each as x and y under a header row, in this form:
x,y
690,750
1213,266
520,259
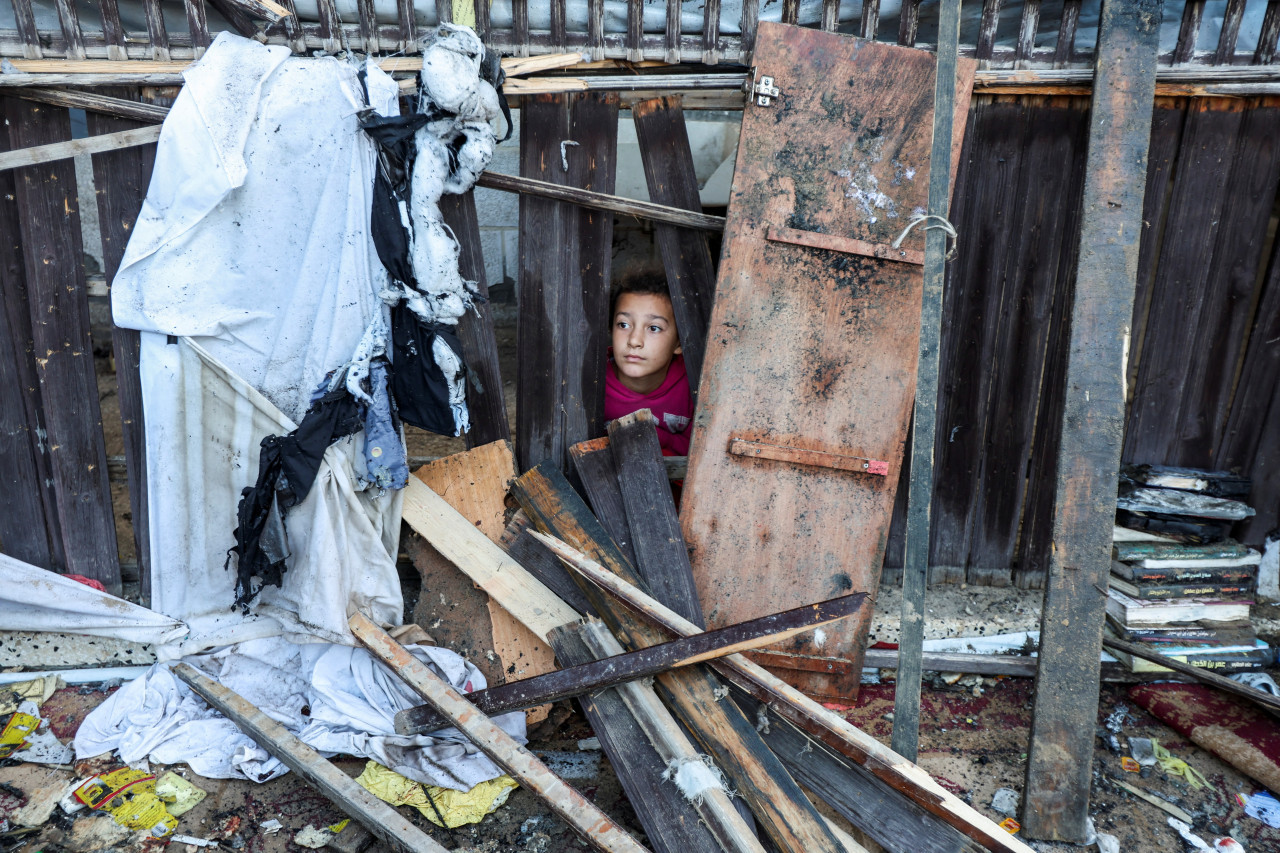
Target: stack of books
x,y
1177,583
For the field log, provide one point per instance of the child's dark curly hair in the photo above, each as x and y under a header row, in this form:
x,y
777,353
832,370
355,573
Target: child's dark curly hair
x,y
639,280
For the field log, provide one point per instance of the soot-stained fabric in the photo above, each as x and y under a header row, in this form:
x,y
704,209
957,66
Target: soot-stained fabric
x,y
287,466
418,384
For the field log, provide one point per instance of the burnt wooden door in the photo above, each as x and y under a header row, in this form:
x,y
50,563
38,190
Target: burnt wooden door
x,y
810,368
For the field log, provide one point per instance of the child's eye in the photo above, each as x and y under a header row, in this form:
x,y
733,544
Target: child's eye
x,y
655,329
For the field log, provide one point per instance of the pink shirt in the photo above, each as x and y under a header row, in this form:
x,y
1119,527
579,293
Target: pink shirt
x,y
671,404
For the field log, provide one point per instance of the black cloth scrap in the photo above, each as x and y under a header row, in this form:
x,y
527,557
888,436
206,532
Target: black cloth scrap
x,y
418,385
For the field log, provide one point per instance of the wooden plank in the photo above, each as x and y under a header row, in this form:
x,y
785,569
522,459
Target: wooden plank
x,y
25,19
1027,28
71,31
156,30
846,245
407,23
1265,53
830,15
520,26
815,720
1064,50
558,38
234,11
711,31
908,22
672,33
790,13
483,561
686,256
1051,166
1250,441
1182,286
635,30
596,200
483,20
595,29
485,401
641,738
598,472
330,25
844,369
368,15
56,151
1230,29
748,23
661,557
584,818
120,180
198,25
780,807
915,569
870,20
292,27
781,452
563,327
1213,679
621,667
1188,32
1059,765
475,484
112,30
987,26
59,311
891,819
375,815
92,102
28,516
1225,317
530,554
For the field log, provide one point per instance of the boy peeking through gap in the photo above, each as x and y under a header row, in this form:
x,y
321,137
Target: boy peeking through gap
x,y
646,369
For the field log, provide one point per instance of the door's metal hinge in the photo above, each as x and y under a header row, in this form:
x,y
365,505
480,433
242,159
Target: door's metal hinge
x,y
762,89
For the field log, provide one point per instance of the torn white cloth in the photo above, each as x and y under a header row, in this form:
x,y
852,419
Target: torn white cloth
x,y
33,599
252,274
336,699
203,428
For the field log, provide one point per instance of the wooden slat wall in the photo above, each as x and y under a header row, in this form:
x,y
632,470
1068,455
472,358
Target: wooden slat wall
x,y
1202,375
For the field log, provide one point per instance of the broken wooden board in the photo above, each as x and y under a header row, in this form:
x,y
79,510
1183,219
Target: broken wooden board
x,y
378,817
582,816
812,350
641,663
475,484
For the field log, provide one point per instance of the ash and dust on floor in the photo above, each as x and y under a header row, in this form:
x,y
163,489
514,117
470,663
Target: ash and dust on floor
x,y
973,740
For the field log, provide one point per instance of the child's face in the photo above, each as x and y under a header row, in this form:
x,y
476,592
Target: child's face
x,y
644,340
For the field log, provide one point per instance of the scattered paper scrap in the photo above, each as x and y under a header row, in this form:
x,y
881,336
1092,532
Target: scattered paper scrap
x,y
1130,765
179,795
1010,826
129,796
13,736
1262,806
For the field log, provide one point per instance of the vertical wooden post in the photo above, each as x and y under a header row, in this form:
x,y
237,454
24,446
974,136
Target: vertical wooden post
x,y
120,179
686,257
28,518
565,257
485,402
1060,760
58,305
915,570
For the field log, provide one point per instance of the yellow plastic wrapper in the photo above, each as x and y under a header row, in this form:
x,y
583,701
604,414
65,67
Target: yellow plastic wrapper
x,y
13,736
458,807
37,690
178,795
1175,766
129,796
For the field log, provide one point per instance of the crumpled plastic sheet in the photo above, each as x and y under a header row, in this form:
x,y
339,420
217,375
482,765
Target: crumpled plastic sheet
x,y
352,700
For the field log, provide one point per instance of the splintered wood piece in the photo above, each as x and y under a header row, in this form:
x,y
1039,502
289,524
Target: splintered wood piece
x,y
661,556
730,829
805,456
641,663
642,739
591,824
378,817
475,484
819,723
819,344
598,471
779,805
847,245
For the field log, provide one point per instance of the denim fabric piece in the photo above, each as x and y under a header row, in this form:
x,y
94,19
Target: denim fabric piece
x,y
384,455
